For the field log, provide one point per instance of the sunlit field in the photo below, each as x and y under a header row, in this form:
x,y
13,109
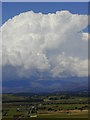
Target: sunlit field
x,y
45,106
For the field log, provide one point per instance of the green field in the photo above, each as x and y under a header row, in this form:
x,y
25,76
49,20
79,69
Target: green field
x,y
47,106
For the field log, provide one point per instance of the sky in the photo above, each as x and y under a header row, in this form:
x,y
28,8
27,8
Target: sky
x,y
12,9
45,49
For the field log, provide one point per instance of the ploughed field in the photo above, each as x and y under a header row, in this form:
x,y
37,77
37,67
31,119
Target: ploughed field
x,y
39,106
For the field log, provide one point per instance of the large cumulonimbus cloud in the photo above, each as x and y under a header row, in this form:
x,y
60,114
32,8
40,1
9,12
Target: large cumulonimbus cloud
x,y
54,44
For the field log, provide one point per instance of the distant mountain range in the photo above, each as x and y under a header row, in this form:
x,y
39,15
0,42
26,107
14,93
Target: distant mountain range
x,y
45,86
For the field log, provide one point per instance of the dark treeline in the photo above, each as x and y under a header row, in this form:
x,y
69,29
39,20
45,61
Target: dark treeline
x,y
30,100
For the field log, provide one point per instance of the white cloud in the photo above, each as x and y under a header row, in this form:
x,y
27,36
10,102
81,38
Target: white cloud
x,y
70,66
52,43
